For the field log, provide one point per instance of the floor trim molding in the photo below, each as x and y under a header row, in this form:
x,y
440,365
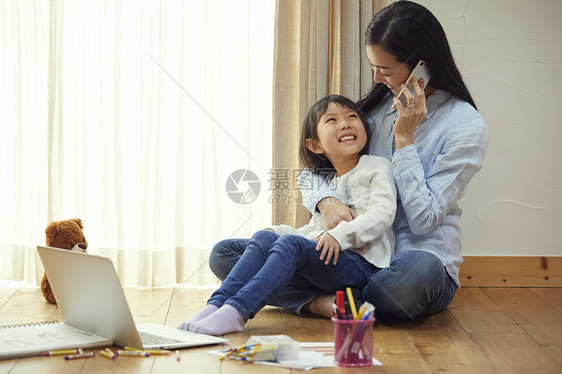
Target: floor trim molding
x,y
511,271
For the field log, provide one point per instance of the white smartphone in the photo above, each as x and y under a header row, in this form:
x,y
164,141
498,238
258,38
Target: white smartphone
x,y
420,71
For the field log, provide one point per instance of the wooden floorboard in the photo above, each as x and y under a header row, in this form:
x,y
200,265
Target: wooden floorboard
x,y
484,330
475,311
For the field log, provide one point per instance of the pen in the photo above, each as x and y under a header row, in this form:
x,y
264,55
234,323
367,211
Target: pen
x,y
339,303
79,355
366,316
60,353
177,353
347,313
351,302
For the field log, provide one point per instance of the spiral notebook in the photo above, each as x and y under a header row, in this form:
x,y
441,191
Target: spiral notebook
x,y
34,338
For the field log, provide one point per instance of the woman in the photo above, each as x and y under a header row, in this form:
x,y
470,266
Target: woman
x,y
436,144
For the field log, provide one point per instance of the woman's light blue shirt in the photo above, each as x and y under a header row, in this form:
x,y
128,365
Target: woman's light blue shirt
x,y
431,175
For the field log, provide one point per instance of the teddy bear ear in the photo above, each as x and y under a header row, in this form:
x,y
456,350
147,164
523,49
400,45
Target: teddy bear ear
x,y
78,221
51,231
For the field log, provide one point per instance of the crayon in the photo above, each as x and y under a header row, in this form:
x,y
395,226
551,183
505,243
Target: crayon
x,y
127,348
108,354
259,357
79,355
60,353
157,351
132,353
151,351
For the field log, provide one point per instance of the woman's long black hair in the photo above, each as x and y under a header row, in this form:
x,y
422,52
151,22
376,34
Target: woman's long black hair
x,y
410,33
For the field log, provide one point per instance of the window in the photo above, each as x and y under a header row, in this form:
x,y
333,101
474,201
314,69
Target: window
x,y
133,116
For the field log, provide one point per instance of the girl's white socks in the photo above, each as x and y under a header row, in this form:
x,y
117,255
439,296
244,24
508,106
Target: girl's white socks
x,y
203,313
225,320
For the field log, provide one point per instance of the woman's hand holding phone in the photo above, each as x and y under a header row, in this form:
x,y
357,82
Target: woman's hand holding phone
x,y
410,104
409,115
420,71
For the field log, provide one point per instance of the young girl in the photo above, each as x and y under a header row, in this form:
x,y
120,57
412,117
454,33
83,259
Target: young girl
x,y
334,141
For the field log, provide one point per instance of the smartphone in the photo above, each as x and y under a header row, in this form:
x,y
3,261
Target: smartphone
x,y
420,71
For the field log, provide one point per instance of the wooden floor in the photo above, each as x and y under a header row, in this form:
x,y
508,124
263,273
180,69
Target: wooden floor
x,y
485,330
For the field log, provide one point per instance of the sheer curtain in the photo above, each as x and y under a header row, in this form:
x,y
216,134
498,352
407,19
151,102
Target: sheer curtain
x,y
318,51
150,121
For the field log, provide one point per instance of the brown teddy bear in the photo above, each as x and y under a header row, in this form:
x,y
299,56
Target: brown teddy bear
x,y
66,235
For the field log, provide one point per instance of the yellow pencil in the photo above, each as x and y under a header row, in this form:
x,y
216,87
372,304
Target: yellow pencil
x,y
351,302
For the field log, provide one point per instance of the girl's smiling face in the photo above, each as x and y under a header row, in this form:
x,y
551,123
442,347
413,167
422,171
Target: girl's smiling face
x,y
386,69
341,135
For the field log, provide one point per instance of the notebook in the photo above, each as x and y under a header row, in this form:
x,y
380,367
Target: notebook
x,y
32,339
91,300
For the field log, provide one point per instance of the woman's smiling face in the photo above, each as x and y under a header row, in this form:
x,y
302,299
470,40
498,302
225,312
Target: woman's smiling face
x,y
386,69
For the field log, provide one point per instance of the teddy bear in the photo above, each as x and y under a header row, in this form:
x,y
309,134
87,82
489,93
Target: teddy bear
x,y
65,234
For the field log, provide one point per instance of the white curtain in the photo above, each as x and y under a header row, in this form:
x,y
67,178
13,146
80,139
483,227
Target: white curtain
x,y
132,115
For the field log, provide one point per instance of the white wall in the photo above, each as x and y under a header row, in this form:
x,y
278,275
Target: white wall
x,y
510,54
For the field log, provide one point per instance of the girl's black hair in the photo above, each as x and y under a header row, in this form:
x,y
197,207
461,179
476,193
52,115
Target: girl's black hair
x,y
410,32
319,163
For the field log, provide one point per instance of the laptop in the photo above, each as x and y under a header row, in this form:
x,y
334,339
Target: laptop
x,y
90,298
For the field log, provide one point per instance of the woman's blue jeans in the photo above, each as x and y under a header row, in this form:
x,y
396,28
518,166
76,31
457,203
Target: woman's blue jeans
x,y
271,263
415,284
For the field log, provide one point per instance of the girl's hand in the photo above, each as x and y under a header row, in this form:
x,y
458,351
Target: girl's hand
x,y
330,247
334,211
409,117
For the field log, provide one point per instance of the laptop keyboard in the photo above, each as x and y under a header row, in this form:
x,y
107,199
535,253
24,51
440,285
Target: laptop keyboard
x,y
150,339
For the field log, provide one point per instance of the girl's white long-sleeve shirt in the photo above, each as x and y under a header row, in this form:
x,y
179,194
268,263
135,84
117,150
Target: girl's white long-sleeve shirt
x,y
369,189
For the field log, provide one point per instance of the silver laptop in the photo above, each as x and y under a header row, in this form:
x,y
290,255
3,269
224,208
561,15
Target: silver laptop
x,y
90,298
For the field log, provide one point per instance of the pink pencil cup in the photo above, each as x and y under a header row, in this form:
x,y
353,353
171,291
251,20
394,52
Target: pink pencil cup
x,y
353,341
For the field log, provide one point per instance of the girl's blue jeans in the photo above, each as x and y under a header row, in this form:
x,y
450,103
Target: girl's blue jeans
x,y
269,264
415,284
